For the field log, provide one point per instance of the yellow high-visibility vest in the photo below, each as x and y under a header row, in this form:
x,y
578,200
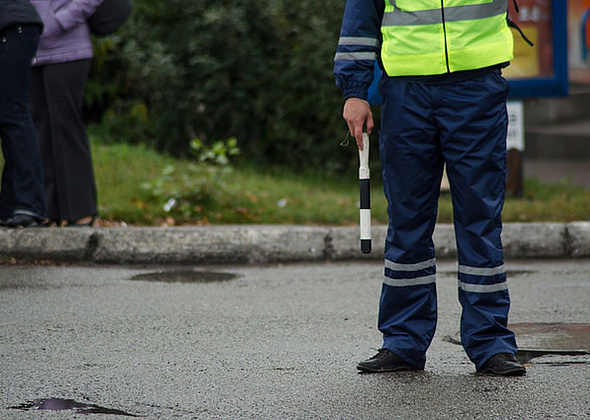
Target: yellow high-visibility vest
x,y
429,37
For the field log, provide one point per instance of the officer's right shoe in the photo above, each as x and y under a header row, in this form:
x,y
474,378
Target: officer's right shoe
x,y
385,361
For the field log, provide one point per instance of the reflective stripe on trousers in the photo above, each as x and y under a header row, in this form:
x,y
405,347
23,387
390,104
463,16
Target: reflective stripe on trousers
x,y
462,124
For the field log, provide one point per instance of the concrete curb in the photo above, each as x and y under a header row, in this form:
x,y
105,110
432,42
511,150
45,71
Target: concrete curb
x,y
45,244
263,244
579,239
210,244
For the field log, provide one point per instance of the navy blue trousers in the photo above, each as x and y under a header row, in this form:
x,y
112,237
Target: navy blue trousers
x,y
22,177
461,124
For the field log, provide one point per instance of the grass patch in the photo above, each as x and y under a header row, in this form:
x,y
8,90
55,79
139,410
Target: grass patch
x,y
120,170
251,195
561,202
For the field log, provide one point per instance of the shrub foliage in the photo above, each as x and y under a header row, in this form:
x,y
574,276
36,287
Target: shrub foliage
x,y
257,71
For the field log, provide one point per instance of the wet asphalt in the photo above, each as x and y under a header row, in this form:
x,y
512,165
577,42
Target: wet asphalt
x,y
266,342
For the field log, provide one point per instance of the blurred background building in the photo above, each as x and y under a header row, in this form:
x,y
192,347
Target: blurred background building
x,y
557,129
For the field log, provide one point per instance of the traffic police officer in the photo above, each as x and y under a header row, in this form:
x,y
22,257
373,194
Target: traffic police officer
x,y
443,103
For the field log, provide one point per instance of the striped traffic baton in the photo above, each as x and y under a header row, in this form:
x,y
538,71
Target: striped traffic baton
x,y
365,196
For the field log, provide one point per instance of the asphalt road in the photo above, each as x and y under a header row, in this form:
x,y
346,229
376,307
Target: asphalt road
x,y
264,342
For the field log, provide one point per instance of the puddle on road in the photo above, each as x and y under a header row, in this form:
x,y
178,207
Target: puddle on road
x,y
186,276
553,335
541,339
59,404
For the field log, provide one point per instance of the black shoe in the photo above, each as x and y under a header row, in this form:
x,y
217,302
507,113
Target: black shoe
x,y
503,364
385,361
23,221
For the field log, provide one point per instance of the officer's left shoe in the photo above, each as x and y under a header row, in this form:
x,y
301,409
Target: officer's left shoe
x,y
385,361
503,364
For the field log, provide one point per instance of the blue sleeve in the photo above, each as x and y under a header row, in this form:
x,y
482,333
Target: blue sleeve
x,y
358,47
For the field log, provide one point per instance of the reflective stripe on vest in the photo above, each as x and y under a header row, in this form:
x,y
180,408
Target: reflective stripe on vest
x,y
422,38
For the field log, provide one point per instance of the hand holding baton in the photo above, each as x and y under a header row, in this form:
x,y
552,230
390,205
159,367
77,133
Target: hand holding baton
x,y
365,196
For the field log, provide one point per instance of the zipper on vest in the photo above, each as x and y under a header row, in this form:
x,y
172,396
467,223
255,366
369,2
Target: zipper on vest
x,y
442,11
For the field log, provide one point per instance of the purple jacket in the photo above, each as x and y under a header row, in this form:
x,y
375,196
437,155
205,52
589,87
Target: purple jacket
x,y
67,35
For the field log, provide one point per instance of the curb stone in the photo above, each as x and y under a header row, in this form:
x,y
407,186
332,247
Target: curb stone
x,y
535,240
46,244
579,239
262,244
211,244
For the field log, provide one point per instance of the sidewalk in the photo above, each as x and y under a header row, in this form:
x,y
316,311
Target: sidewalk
x,y
263,244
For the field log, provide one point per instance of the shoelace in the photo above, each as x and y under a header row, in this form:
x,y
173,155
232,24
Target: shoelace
x,y
381,353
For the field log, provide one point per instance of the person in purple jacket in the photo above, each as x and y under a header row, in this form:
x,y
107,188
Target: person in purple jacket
x,y
59,76
22,200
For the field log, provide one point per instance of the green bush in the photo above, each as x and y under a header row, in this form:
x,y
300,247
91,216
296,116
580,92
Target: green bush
x,y
257,71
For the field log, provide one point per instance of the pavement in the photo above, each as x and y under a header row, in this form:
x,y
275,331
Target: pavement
x,y
278,341
263,244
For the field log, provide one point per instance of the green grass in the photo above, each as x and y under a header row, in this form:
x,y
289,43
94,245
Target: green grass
x,y
120,170
562,202
249,195
253,195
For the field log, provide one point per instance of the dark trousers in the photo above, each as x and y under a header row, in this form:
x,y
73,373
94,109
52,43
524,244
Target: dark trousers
x,y
57,96
22,177
462,124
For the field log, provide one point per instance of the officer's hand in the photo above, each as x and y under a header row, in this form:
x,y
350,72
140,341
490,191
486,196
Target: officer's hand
x,y
357,114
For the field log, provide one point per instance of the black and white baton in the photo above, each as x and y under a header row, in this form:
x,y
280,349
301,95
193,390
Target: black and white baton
x,y
365,196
